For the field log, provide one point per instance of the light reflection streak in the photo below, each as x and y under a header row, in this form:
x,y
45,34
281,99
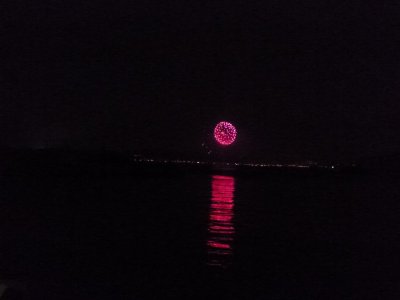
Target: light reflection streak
x,y
220,226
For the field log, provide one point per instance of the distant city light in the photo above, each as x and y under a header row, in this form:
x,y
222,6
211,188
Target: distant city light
x,y
225,133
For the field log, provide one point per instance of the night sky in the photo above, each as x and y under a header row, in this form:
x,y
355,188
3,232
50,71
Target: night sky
x,y
300,80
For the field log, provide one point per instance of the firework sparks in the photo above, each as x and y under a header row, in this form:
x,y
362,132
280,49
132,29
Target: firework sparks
x,y
225,133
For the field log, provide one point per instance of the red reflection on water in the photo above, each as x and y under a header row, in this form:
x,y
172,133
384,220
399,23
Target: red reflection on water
x,y
220,226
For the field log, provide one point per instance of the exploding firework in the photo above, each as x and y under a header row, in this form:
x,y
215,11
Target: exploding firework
x,y
225,133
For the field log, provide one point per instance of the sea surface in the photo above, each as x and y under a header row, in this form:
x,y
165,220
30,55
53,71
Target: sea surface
x,y
200,236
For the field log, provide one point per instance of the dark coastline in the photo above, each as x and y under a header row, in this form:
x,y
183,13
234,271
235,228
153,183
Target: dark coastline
x,y
100,163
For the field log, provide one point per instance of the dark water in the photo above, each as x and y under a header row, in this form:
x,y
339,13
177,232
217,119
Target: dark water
x,y
206,236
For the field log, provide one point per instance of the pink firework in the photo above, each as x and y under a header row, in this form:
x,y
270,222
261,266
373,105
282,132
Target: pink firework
x,y
225,133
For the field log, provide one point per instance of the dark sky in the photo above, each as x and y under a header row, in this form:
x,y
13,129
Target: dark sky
x,y
300,79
